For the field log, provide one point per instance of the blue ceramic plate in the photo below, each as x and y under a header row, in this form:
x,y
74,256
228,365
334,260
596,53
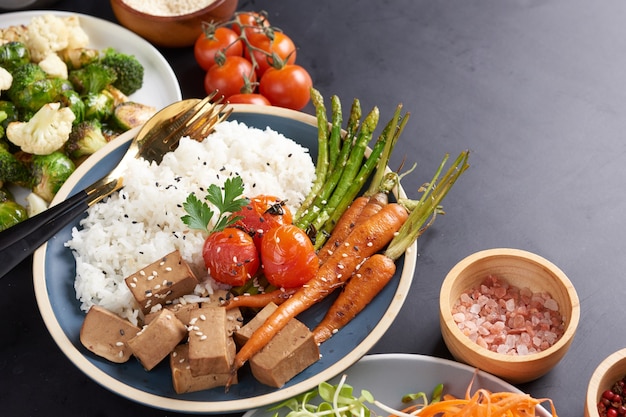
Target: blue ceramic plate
x,y
54,271
389,376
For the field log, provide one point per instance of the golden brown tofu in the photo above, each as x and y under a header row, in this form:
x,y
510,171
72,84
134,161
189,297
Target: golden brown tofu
x,y
184,381
234,318
292,350
105,334
181,311
155,341
211,349
164,280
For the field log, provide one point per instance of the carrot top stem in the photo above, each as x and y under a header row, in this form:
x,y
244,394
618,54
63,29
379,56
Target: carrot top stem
x,y
423,212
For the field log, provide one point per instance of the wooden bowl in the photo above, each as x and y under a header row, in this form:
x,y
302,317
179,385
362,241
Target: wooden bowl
x,y
522,269
172,31
610,370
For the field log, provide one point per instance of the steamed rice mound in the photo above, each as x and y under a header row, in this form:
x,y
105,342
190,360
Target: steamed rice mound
x,y
142,222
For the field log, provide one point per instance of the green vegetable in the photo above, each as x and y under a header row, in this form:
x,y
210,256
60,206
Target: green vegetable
x,y
85,139
11,213
92,78
76,58
130,114
9,114
73,100
199,214
337,400
31,88
50,172
128,69
99,105
13,54
12,170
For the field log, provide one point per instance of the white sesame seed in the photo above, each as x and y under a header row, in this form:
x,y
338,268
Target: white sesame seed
x,y
133,285
203,337
202,317
370,244
168,269
119,343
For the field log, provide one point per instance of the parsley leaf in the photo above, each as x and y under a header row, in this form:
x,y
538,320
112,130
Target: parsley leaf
x,y
199,213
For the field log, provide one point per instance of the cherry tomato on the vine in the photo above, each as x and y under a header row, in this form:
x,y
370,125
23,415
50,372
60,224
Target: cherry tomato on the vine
x,y
289,86
252,22
230,256
249,98
264,212
288,256
207,46
281,48
230,77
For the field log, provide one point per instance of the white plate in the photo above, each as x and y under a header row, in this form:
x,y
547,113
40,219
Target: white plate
x,y
54,272
160,86
389,376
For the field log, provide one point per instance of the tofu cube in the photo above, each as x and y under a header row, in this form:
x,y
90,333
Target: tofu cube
x,y
106,334
234,318
290,351
211,348
184,381
157,339
164,280
181,311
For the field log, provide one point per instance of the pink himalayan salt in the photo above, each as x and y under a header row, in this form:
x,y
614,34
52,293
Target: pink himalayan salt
x,y
509,320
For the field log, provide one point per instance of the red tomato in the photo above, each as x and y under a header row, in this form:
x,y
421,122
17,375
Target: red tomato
x,y
288,256
249,98
281,48
264,212
230,77
288,87
251,22
231,256
222,40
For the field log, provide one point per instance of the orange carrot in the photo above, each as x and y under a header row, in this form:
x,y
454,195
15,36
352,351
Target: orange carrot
x,y
259,300
365,240
362,287
375,203
342,229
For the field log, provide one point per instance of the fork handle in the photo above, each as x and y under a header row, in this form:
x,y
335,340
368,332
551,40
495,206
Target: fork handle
x,y
20,241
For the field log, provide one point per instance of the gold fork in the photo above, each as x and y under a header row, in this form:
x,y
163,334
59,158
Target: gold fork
x,y
160,135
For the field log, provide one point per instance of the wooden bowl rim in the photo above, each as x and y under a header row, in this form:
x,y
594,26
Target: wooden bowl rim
x,y
166,19
572,296
594,390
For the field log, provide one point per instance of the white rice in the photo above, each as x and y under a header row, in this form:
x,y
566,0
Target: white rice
x,y
141,223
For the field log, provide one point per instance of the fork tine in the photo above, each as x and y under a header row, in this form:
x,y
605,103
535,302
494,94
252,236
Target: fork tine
x,y
202,125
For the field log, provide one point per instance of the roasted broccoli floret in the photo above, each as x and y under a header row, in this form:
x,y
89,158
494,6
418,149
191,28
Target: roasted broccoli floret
x,y
128,69
85,139
11,213
12,170
13,54
50,172
99,105
32,88
92,78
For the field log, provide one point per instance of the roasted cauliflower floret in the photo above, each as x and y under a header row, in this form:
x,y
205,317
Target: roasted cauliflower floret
x,y
54,66
76,36
45,132
46,34
6,79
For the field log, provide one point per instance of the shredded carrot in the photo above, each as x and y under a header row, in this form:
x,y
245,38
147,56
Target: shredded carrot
x,y
482,403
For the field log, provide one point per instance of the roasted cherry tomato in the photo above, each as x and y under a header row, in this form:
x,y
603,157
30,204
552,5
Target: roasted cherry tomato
x,y
252,22
222,40
249,98
264,212
229,77
289,86
230,256
281,48
288,256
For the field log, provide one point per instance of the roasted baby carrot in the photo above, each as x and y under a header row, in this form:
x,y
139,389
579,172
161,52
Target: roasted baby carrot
x,y
343,228
259,300
362,287
365,240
